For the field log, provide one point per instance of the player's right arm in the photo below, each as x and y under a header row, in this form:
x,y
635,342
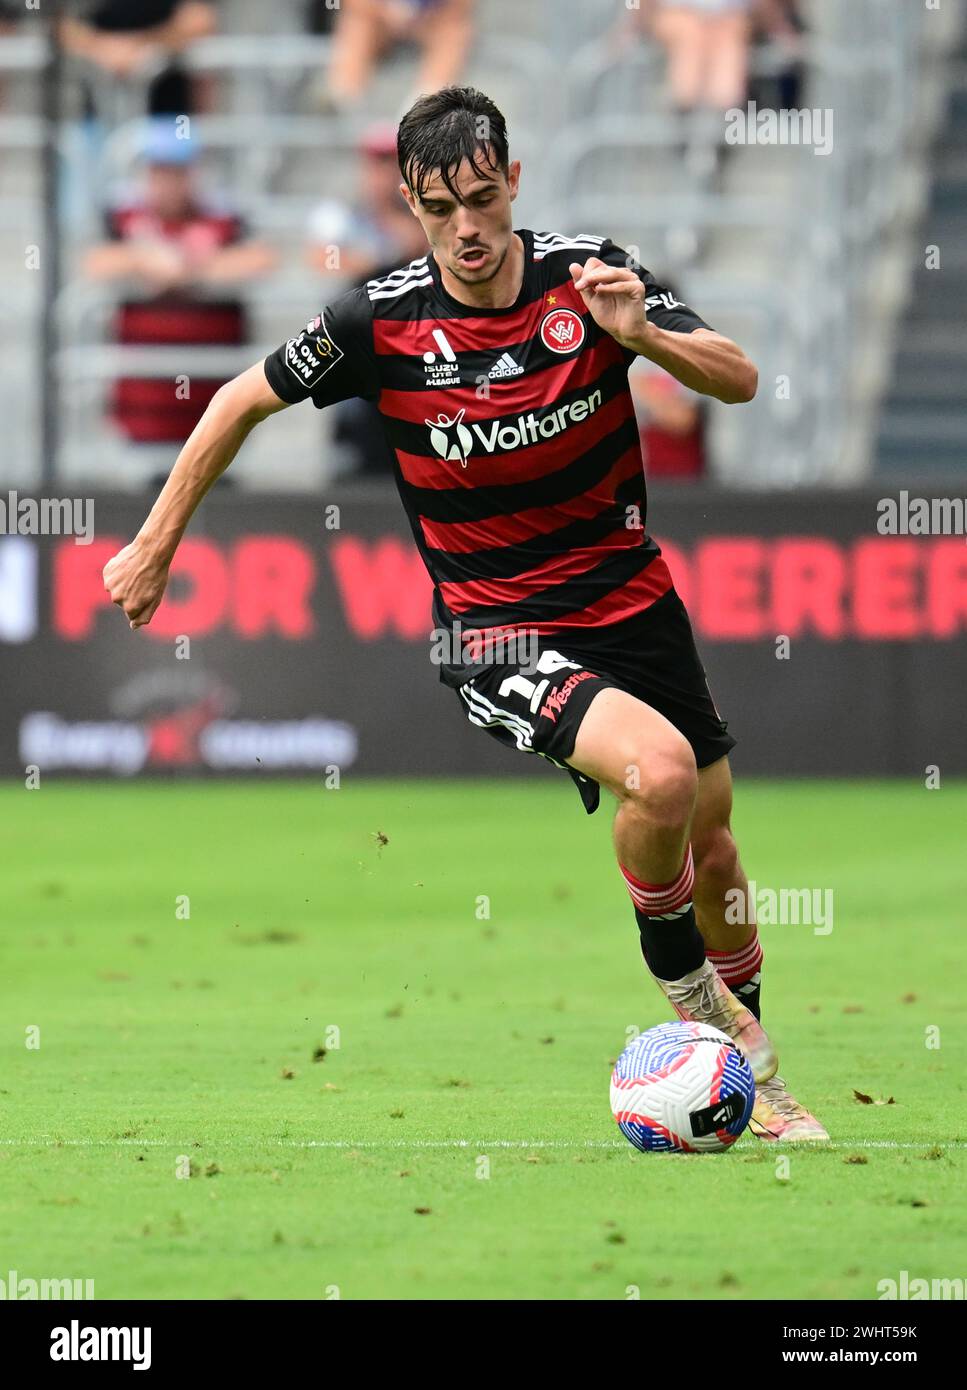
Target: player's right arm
x,y
330,360
136,577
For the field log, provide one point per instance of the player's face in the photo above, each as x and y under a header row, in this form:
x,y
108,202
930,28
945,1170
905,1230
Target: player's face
x,y
470,238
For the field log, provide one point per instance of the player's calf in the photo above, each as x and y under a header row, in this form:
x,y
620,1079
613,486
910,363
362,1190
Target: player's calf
x,y
731,941
648,765
654,813
632,749
655,860
674,952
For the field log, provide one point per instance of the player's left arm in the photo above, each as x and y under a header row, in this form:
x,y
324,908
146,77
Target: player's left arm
x,y
701,359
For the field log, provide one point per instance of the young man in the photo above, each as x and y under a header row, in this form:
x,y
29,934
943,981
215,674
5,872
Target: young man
x,y
499,366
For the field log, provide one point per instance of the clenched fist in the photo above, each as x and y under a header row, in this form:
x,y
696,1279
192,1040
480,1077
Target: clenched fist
x,y
615,296
136,580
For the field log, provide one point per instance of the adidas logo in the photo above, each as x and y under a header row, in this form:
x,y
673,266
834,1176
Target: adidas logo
x,y
505,366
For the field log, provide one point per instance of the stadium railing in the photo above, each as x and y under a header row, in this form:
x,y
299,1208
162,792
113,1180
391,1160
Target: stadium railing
x,y
862,62
574,96
277,166
21,141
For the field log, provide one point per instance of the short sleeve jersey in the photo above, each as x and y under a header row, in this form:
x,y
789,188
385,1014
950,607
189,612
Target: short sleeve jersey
x,y
513,432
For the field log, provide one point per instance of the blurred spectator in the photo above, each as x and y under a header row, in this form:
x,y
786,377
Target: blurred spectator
x,y
671,421
707,42
10,15
123,37
173,245
367,30
780,23
12,12
359,239
778,19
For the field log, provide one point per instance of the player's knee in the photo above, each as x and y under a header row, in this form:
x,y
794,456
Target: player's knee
x,y
663,784
716,861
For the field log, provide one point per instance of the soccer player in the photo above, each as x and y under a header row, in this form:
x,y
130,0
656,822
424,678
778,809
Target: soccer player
x,y
499,364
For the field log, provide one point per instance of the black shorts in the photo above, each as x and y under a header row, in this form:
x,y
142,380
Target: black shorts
x,y
537,706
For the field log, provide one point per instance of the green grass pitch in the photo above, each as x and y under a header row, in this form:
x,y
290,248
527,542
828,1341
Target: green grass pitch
x,y
457,1143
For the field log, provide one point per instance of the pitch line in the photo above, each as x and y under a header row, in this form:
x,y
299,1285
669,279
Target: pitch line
x,y
478,1145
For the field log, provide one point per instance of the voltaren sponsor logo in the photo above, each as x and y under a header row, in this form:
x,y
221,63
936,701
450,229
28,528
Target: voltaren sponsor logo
x,y
453,439
532,428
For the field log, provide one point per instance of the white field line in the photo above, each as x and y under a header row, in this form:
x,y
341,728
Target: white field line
x,y
479,1145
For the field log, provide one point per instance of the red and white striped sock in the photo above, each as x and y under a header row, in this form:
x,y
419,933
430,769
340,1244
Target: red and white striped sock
x,y
671,943
741,970
664,900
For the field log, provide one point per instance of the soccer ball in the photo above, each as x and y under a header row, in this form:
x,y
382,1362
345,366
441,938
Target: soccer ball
x,y
682,1088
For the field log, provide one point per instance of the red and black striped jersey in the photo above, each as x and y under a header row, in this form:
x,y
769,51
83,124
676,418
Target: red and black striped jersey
x,y
513,431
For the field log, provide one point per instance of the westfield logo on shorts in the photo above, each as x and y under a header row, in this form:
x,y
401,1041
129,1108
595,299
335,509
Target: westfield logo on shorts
x,y
453,439
560,695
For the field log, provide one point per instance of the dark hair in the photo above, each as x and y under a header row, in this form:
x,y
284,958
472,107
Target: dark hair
x,y
443,129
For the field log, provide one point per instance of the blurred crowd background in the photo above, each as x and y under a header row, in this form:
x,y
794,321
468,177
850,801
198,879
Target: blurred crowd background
x,y
184,182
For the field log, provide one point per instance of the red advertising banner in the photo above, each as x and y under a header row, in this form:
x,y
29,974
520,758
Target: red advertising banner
x,y
295,637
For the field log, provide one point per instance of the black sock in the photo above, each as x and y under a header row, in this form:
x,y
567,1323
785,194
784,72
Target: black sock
x,y
671,948
749,994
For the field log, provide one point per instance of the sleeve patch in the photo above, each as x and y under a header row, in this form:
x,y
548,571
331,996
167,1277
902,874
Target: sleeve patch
x,y
665,300
310,356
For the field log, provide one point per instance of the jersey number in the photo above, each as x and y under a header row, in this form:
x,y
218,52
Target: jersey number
x,y
532,692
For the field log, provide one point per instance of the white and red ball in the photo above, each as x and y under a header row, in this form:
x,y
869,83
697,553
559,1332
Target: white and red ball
x,y
682,1088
